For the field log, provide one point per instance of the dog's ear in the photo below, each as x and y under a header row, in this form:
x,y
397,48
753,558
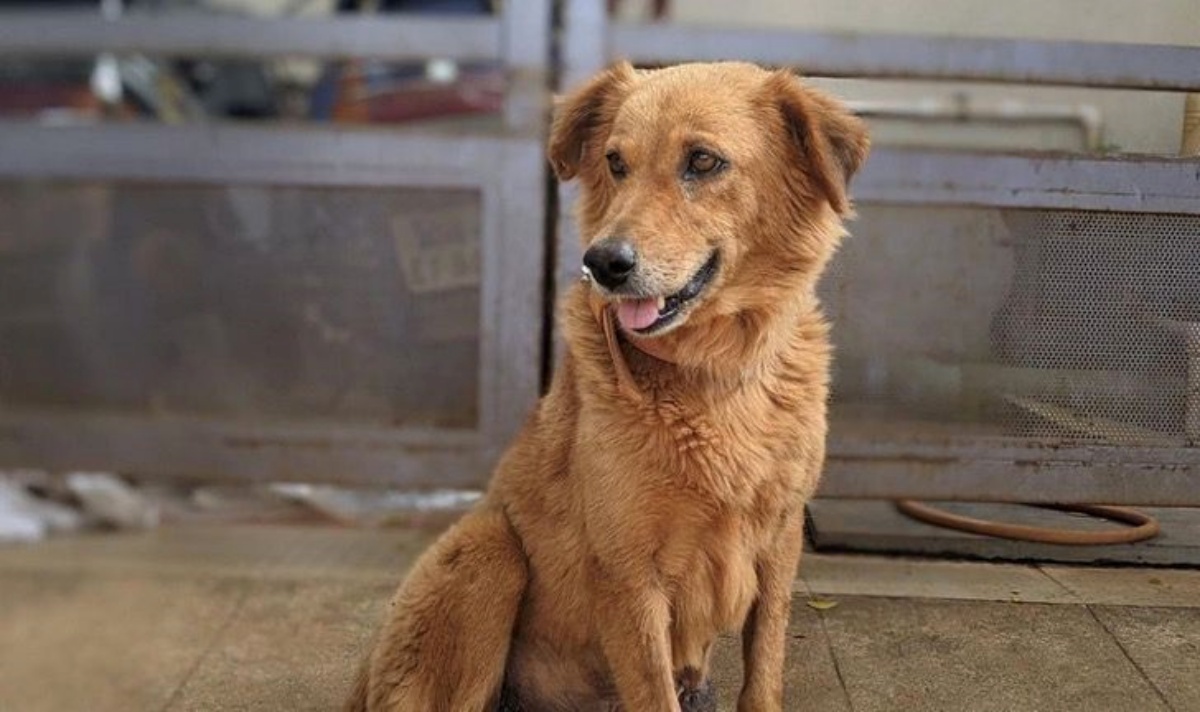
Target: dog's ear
x,y
579,114
833,143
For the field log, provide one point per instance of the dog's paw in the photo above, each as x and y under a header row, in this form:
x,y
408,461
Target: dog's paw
x,y
701,698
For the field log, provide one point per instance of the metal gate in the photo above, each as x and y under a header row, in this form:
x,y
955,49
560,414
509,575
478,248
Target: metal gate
x,y
1050,356
369,303
283,302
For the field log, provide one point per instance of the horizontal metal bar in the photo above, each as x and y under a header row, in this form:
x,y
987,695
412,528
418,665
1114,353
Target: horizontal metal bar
x,y
883,448
1133,184
1003,481
893,459
233,451
251,154
320,156
201,35
833,54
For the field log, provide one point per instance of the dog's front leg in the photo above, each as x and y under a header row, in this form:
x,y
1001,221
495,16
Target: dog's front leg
x,y
633,619
765,632
446,642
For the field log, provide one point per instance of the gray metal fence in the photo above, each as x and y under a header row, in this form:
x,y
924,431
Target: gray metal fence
x,y
281,302
937,399
227,300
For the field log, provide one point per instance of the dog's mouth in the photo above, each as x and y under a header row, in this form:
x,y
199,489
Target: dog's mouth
x,y
653,314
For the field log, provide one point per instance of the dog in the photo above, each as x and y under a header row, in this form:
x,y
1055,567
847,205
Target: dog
x,y
655,498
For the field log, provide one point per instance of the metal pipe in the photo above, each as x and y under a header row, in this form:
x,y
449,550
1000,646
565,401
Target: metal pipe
x,y
1085,117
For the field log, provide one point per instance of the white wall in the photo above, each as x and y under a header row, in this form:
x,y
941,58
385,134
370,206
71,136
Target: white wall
x,y
1138,122
1157,21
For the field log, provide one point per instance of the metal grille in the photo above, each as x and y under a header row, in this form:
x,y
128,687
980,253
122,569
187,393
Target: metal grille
x,y
1056,325
1101,328
310,304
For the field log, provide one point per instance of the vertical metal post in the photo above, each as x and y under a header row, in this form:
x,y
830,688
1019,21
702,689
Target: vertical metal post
x,y
526,49
583,52
514,248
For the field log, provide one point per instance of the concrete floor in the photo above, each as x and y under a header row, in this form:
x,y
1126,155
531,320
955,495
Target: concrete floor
x,y
242,617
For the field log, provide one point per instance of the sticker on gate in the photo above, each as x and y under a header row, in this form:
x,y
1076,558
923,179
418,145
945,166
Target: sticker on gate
x,y
438,249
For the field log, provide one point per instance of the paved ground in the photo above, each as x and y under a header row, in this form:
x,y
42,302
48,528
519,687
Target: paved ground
x,y
274,617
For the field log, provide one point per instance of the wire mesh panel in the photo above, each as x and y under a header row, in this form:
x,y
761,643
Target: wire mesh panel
x,y
1105,309
1054,325
271,303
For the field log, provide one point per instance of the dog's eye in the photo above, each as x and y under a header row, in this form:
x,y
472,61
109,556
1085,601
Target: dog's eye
x,y
616,165
702,163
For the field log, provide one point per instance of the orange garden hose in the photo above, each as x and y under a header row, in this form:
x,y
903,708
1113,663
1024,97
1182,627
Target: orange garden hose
x,y
1143,525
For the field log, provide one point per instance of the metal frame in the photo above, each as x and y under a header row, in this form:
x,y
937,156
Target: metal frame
x,y
507,168
187,34
248,154
1139,184
911,462
583,52
834,54
862,466
216,450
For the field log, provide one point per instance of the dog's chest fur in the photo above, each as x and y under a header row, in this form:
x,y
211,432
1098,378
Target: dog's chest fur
x,y
685,487
708,477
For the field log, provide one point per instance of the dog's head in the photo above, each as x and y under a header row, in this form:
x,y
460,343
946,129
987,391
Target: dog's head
x,y
707,189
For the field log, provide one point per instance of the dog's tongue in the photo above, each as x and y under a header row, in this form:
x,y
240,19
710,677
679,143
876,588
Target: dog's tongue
x,y
637,314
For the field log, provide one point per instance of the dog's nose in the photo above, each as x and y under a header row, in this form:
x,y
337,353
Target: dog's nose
x,y
610,261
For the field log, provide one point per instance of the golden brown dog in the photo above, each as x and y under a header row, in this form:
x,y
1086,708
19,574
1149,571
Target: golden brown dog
x,y
655,498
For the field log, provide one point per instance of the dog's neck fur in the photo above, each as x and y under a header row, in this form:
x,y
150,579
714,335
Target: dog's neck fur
x,y
602,310
752,349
